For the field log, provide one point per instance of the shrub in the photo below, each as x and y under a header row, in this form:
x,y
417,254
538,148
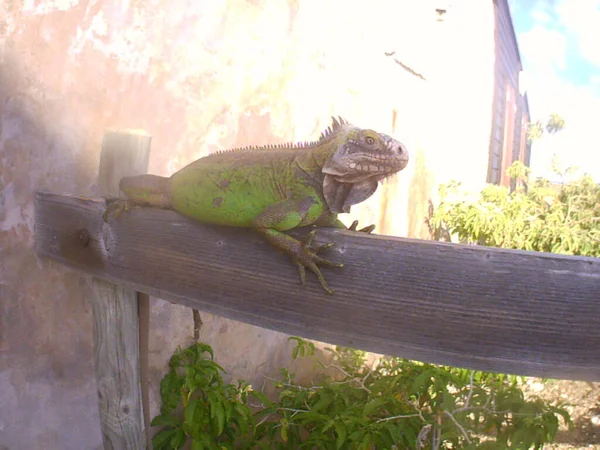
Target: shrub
x,y
393,404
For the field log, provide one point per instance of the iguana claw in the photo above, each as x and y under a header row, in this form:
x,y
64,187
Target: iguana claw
x,y
306,257
367,230
309,258
116,207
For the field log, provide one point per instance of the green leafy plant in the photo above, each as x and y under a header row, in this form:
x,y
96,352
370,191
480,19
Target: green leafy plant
x,y
390,404
541,216
551,125
397,403
198,407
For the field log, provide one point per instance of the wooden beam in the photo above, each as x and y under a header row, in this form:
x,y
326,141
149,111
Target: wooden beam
x,y
477,307
121,316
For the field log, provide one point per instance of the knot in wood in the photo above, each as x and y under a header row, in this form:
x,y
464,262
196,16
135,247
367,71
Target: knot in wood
x,y
83,236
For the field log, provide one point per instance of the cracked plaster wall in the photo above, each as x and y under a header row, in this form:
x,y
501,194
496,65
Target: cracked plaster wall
x,y
201,76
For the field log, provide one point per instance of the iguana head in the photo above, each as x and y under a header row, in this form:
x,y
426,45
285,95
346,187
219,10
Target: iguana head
x,y
361,159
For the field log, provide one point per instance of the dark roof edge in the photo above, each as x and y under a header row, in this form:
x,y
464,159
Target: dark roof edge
x,y
526,103
512,29
504,5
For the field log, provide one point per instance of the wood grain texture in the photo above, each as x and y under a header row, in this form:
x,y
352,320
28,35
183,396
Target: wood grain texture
x,y
116,309
143,303
116,353
491,309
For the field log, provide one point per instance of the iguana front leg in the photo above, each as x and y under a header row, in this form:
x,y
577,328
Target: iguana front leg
x,y
287,215
140,190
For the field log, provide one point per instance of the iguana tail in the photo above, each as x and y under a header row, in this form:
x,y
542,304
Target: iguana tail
x,y
151,190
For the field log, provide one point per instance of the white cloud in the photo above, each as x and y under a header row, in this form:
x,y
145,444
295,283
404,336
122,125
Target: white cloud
x,y
541,12
582,19
544,50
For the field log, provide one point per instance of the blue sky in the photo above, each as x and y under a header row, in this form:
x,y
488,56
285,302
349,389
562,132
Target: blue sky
x,y
559,41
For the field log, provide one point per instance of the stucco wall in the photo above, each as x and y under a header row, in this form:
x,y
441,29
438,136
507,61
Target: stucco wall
x,y
201,76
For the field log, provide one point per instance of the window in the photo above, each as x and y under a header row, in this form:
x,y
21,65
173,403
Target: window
x,y
523,143
495,162
509,133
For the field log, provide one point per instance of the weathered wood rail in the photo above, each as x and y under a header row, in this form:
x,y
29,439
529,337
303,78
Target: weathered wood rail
x,y
477,307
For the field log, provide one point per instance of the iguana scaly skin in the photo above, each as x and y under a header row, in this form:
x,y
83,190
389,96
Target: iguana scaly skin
x,y
277,188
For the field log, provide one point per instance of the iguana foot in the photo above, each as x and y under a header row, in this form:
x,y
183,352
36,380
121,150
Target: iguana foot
x,y
116,207
306,257
367,230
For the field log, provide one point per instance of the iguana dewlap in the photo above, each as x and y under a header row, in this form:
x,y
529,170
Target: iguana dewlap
x,y
274,189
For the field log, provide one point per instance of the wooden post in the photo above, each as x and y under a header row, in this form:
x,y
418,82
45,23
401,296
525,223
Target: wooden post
x,y
121,316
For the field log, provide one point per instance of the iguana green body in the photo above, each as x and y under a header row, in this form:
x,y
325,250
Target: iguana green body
x,y
278,188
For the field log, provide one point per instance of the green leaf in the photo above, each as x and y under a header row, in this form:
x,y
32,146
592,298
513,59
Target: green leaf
x,y
340,431
323,402
165,420
170,391
220,417
162,439
329,424
178,440
189,411
449,401
356,435
366,442
420,381
373,405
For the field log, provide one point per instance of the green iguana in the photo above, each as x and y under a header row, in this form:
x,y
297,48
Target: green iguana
x,y
276,188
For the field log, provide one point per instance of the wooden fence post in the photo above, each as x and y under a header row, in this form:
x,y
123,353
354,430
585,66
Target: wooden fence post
x,y
121,316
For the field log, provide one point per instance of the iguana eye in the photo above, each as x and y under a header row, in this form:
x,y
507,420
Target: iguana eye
x,y
369,140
